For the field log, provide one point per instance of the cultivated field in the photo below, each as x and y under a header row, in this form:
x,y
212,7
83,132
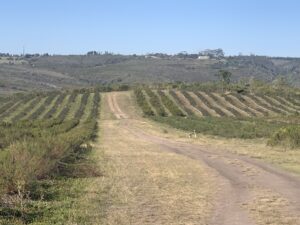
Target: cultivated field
x,y
156,170
69,158
213,104
229,115
44,143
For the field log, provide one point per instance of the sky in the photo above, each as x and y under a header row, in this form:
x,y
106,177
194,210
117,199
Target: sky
x,y
262,27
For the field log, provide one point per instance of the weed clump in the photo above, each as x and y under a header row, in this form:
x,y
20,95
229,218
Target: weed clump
x,y
286,136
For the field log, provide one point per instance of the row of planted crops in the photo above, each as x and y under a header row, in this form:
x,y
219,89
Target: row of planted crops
x,y
230,115
44,137
205,104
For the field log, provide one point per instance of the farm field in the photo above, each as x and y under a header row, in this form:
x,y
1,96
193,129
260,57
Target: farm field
x,y
228,115
158,168
150,113
131,158
45,145
213,104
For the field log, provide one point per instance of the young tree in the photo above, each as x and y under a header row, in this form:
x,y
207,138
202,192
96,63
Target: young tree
x,y
224,77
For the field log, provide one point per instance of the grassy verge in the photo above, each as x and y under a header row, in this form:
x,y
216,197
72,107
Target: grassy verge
x,y
225,127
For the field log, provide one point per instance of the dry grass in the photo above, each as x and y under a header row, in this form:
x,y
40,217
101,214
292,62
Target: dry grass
x,y
288,159
143,184
270,208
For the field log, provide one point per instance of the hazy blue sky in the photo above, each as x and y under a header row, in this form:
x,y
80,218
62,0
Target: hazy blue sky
x,y
265,27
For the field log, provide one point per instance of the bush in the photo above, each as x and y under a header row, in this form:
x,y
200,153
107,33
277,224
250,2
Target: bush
x,y
25,161
142,102
83,103
155,102
95,108
34,152
286,136
169,104
228,127
56,105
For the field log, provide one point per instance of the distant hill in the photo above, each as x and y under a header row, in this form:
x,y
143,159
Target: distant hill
x,y
55,72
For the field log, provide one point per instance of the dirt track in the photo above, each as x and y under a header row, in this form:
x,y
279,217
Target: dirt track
x,y
249,191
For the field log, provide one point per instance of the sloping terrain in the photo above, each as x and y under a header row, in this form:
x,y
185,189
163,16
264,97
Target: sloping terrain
x,y
52,72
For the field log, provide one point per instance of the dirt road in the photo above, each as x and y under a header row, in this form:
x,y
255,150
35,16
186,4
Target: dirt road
x,y
247,191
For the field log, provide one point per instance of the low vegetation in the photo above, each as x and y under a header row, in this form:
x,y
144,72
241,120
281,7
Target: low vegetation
x,y
228,114
155,102
170,105
288,136
40,154
225,127
143,103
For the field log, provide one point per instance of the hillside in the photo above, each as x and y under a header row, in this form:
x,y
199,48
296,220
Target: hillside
x,y
55,72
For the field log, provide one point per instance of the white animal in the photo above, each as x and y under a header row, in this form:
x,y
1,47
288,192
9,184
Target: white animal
x,y
193,134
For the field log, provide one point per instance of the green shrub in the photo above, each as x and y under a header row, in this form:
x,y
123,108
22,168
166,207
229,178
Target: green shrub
x,y
225,126
35,152
155,102
56,105
83,103
143,103
25,111
170,105
286,136
25,161
95,108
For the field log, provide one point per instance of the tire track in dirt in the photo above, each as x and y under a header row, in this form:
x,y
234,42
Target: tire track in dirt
x,y
115,108
240,178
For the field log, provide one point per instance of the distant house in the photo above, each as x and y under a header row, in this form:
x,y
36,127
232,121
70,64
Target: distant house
x,y
213,53
151,57
203,57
